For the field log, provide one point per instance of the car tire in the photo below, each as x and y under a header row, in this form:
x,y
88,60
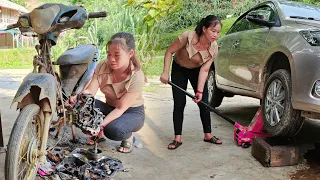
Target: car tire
x,y
215,94
279,117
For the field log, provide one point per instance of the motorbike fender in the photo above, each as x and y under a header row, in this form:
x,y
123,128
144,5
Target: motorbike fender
x,y
38,88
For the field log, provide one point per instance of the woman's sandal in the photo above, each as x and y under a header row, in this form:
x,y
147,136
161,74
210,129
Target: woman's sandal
x,y
175,143
127,145
92,139
213,140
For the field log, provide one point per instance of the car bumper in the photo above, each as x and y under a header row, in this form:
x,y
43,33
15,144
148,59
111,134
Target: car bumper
x,y
305,71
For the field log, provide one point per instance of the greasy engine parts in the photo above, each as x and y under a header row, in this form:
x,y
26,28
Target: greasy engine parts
x,y
80,164
86,117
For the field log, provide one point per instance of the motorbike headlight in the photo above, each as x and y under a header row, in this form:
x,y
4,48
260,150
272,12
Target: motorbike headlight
x,y
24,22
311,36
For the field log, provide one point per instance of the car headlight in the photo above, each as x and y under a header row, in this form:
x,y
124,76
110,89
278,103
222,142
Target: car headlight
x,y
316,89
311,36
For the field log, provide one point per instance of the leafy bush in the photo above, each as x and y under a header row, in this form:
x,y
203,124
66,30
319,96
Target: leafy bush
x,y
193,11
167,38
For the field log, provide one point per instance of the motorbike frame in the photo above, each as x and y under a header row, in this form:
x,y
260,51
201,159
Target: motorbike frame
x,y
43,86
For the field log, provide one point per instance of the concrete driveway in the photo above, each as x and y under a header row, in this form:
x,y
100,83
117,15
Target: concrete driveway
x,y
195,159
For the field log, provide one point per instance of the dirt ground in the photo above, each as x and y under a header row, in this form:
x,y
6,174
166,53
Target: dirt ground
x,y
195,159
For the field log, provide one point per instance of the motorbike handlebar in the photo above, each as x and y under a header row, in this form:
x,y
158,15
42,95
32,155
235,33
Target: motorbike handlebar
x,y
97,14
12,26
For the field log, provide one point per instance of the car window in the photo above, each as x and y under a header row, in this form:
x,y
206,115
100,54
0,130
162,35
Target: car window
x,y
238,26
291,8
243,24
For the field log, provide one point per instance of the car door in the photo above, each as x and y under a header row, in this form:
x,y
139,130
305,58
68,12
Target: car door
x,y
248,51
225,48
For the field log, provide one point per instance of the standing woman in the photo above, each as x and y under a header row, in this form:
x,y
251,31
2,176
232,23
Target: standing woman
x,y
194,52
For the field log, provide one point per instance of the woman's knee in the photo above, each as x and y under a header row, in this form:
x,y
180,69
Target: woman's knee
x,y
116,133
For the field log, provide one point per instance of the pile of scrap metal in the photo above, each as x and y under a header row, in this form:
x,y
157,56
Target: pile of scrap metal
x,y
57,154
86,117
87,164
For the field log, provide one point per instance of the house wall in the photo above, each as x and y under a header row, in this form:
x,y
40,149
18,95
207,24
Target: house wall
x,y
8,16
6,40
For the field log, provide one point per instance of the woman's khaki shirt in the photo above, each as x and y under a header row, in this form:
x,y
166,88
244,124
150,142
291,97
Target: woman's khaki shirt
x,y
114,91
188,56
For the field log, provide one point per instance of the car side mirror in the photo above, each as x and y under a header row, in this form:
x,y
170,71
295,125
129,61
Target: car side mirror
x,y
260,17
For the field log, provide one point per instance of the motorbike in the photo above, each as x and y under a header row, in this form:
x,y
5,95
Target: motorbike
x,y
43,93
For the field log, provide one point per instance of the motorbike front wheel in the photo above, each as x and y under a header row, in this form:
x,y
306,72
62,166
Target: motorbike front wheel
x,y
22,158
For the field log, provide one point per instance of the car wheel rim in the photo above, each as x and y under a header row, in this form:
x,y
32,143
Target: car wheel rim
x,y
210,84
274,102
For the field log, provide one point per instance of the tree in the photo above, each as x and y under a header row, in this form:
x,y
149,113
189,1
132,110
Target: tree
x,y
155,9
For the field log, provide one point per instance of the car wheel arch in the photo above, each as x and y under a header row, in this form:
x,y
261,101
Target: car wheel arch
x,y
212,66
277,60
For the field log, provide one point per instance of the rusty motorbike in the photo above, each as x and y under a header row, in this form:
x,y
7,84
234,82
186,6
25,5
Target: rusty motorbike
x,y
42,95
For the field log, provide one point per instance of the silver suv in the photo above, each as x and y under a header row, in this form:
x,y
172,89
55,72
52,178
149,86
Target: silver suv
x,y
272,52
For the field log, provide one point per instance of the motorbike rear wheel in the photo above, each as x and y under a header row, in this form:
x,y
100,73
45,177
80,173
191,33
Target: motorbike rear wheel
x,y
22,158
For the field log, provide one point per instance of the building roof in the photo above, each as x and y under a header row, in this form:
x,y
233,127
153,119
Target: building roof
x,y
10,5
11,31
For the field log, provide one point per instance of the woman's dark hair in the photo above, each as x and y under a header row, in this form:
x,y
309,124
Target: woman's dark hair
x,y
210,20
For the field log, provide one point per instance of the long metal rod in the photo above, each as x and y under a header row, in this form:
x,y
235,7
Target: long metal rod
x,y
201,102
2,149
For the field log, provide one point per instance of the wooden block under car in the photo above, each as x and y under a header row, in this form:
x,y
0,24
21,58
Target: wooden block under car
x,y
271,152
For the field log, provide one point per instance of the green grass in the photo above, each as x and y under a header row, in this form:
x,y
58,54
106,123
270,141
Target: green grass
x,y
16,58
151,88
153,67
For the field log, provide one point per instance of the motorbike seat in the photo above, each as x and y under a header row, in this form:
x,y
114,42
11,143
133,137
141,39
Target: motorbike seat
x,y
79,55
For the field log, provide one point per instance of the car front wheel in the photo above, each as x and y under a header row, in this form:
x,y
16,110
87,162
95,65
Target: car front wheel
x,y
215,94
280,119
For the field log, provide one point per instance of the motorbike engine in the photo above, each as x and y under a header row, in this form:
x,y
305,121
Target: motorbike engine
x,y
86,116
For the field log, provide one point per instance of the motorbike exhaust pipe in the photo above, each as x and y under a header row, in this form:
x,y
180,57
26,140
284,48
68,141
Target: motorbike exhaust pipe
x,y
201,102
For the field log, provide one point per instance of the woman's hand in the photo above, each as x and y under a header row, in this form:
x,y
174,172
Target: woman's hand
x,y
198,96
73,100
100,134
164,78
